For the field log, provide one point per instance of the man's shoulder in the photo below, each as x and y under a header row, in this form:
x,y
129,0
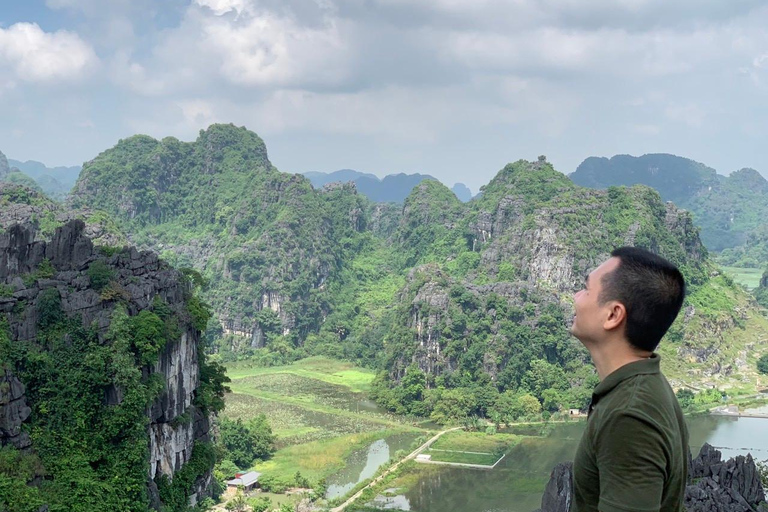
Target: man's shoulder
x,y
645,396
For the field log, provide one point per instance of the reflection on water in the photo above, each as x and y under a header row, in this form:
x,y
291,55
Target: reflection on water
x,y
391,502
517,483
731,435
362,464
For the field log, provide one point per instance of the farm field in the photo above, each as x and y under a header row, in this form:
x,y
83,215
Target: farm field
x,y
471,447
749,277
319,411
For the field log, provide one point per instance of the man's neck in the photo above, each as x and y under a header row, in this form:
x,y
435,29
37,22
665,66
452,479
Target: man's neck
x,y
609,357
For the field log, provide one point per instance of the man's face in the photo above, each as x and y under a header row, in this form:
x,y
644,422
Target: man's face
x,y
590,315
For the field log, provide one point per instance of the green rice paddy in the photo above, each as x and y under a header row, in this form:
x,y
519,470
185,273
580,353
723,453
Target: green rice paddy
x,y
318,409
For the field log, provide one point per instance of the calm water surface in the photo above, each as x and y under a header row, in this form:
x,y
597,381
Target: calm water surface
x,y
362,464
517,483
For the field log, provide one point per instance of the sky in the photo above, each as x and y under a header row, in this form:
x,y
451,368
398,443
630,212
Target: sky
x,y
451,88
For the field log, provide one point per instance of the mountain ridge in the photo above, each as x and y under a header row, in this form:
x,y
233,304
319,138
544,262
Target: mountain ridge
x,y
729,209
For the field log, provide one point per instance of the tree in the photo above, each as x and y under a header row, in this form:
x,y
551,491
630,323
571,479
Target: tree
x,y
529,404
245,442
238,503
551,400
453,405
762,364
685,397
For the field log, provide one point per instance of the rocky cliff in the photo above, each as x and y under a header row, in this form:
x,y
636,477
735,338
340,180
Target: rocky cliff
x,y
66,281
497,295
267,240
4,168
714,485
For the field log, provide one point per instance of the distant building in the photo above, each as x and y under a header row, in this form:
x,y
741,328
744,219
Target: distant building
x,y
248,481
574,412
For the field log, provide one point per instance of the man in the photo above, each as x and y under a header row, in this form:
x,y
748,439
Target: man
x,y
633,455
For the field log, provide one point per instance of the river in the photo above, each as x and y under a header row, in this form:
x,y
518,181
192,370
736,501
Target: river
x,y
517,483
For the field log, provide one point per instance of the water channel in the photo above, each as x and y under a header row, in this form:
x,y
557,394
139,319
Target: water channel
x,y
517,483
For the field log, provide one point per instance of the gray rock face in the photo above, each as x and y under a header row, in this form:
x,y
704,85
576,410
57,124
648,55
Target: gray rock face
x,y
559,491
737,483
13,411
4,167
175,424
731,486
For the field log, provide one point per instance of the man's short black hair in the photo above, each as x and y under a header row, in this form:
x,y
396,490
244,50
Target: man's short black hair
x,y
652,291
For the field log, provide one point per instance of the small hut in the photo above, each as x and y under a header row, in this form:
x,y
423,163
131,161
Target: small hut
x,y
248,481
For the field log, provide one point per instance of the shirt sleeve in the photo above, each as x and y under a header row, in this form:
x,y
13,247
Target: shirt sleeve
x,y
632,463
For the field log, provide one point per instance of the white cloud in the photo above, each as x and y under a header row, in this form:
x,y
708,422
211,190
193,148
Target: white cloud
x,y
37,56
221,7
689,114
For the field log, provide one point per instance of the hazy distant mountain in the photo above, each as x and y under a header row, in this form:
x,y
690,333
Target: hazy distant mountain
x,y
462,192
55,182
394,188
730,210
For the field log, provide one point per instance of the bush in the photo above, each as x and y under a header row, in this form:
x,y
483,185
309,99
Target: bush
x,y
762,364
100,275
49,308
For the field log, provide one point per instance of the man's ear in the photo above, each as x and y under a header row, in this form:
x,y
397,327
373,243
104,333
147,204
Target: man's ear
x,y
617,314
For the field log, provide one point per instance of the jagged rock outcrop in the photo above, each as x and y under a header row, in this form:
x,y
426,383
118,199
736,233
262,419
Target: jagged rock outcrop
x,y
559,491
714,486
137,279
737,479
4,167
13,410
28,207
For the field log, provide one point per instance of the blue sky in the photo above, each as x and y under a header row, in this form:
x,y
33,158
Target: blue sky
x,y
452,88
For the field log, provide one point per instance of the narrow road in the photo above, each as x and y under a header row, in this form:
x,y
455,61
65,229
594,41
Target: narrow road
x,y
396,465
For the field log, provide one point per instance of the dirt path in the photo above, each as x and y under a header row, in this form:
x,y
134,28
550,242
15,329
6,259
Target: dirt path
x,y
396,465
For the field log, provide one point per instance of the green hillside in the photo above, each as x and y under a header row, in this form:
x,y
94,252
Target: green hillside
x,y
729,210
457,304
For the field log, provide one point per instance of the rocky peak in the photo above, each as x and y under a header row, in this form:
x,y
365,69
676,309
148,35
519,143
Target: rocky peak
x,y
749,178
4,168
226,141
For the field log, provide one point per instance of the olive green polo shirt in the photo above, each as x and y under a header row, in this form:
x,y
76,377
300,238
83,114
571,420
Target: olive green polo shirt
x,y
633,455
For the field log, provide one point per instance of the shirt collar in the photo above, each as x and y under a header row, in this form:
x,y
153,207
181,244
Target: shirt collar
x,y
641,367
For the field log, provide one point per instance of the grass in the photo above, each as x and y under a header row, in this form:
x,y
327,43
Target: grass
x,y
317,408
749,277
459,440
295,424
317,459
341,373
486,459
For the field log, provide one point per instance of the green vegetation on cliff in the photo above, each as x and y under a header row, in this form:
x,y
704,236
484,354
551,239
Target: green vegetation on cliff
x,y
78,392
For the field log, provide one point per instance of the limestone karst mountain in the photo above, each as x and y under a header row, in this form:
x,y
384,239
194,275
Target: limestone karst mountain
x,y
730,210
471,295
393,188
104,378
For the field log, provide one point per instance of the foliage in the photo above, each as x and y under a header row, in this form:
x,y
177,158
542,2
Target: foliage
x,y
16,470
90,392
245,442
100,274
762,364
